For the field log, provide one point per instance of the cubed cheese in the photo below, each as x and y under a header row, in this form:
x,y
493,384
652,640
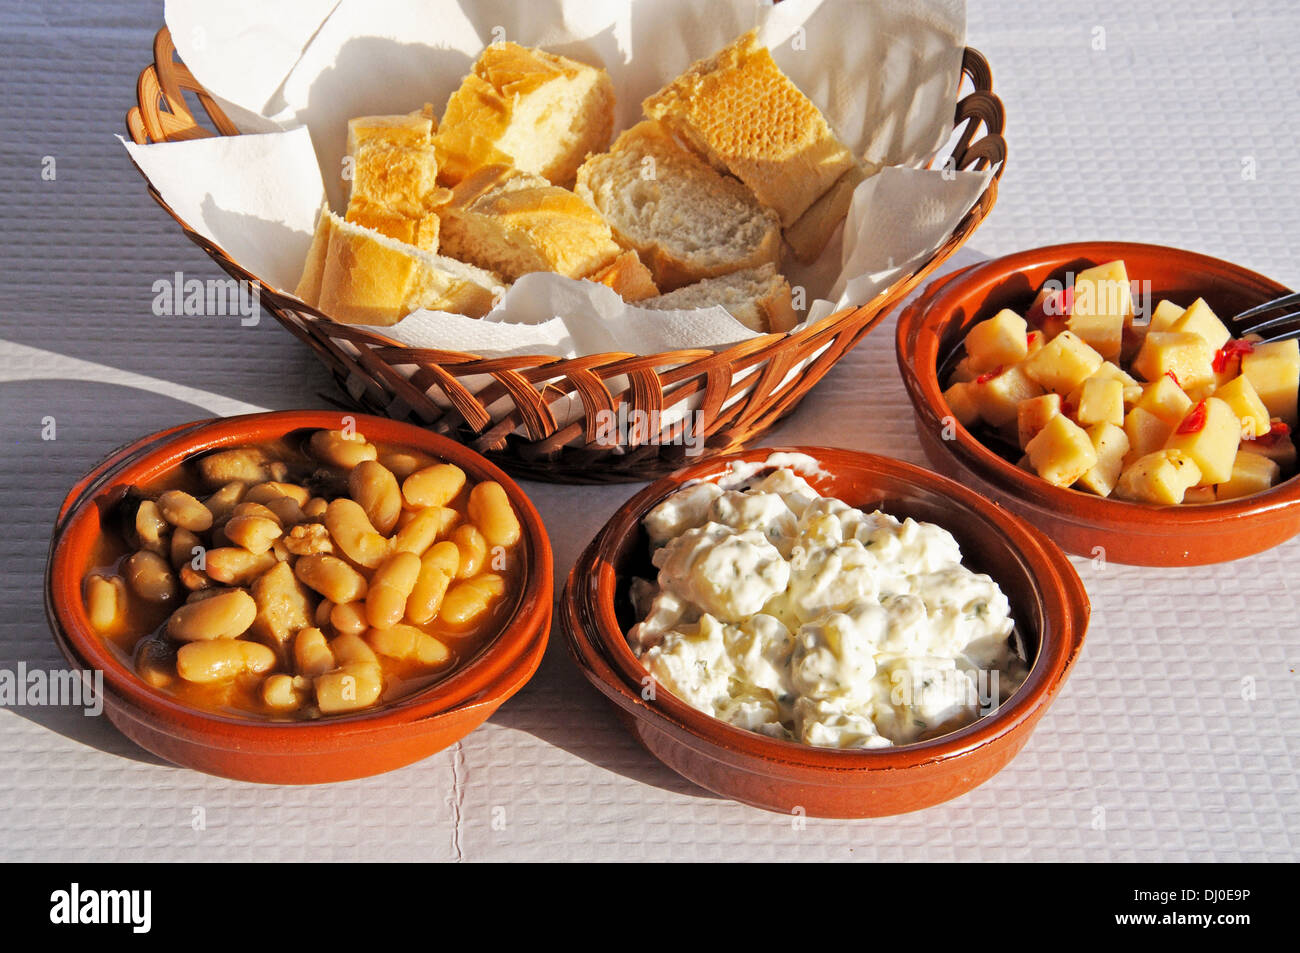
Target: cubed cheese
x,y
1161,477
1033,414
1103,305
1251,473
1210,435
1063,363
1164,316
1111,445
1274,372
1062,452
1240,395
1186,355
998,342
1146,432
1199,319
1166,400
1100,402
999,396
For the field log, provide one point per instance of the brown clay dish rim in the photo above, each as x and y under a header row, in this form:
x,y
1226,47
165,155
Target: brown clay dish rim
x,y
596,640
924,333
489,676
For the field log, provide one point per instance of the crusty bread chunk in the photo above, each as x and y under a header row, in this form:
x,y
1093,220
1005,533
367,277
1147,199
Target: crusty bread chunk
x,y
745,116
628,276
395,177
514,223
408,129
314,269
809,235
368,278
758,298
685,219
534,110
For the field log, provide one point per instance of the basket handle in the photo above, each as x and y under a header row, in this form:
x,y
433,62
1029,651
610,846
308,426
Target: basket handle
x,y
161,113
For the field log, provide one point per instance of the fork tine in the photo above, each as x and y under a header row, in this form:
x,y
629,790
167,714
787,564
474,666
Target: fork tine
x,y
1286,301
1284,322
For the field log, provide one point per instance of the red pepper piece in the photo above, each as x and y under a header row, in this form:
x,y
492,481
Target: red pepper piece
x,y
1173,377
988,376
1194,422
1229,351
1277,432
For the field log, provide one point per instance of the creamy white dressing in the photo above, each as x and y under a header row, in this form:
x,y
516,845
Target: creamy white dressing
x,y
797,616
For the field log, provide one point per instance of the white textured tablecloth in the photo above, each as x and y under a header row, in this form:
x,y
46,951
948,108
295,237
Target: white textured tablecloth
x,y
1175,739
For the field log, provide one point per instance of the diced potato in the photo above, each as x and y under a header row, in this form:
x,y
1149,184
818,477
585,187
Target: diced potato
x,y
998,342
1200,494
1033,415
1251,473
1274,372
1166,400
1161,477
1240,395
961,400
1186,355
1199,319
1146,432
1111,445
1100,402
1103,305
1213,444
1053,315
1063,364
1034,342
999,397
1062,452
1164,316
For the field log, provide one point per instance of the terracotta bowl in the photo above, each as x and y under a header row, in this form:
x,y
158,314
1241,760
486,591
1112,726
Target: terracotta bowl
x,y
1086,525
335,748
1047,598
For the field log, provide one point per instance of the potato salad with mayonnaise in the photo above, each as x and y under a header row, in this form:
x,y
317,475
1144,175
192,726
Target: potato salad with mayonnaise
x,y
797,616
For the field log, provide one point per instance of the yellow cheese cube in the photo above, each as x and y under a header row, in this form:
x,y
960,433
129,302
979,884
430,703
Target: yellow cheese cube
x,y
1032,416
1146,432
1063,363
1100,402
1240,395
1186,355
1166,400
1102,306
1111,444
1274,372
1213,442
999,396
1164,316
1113,372
998,342
1199,319
963,404
1279,447
1161,477
1062,451
1251,474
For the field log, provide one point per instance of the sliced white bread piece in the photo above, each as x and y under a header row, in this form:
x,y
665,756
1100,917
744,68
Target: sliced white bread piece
x,y
537,111
685,219
744,115
314,269
758,298
408,129
515,223
371,279
394,176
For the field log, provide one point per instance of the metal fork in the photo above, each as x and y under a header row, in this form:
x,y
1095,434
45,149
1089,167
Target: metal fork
x,y
1261,320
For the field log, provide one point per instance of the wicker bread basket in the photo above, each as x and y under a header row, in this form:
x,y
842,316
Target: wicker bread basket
x,y
740,391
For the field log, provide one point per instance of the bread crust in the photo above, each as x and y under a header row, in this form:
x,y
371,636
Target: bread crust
x,y
628,276
746,117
